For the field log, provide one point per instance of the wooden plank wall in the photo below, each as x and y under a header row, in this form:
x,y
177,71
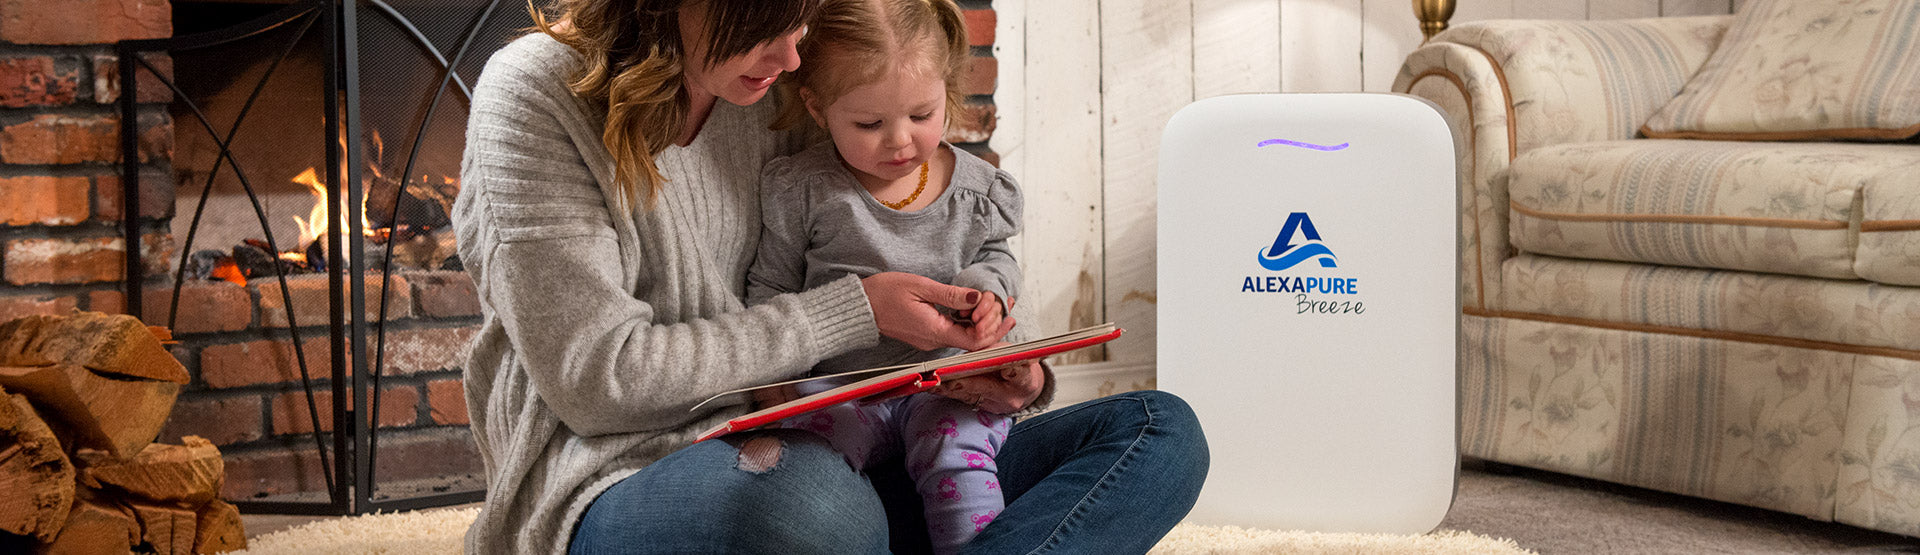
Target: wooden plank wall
x,y
1086,87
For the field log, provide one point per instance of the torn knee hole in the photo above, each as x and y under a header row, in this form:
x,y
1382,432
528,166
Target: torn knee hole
x,y
760,454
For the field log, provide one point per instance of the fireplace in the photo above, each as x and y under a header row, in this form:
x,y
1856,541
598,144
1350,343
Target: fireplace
x,y
298,302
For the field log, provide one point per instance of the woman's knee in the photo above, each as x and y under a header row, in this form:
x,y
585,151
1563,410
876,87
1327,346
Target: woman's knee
x,y
785,490
1166,411
1174,423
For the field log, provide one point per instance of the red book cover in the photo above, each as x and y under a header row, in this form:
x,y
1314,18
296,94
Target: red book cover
x,y
895,381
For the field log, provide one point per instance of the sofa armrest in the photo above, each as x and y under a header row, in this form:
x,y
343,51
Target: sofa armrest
x,y
1511,85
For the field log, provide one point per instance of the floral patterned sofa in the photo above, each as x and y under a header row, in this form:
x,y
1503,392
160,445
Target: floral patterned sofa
x,y
1731,319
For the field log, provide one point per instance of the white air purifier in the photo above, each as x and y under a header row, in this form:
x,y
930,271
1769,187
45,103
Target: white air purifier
x,y
1308,307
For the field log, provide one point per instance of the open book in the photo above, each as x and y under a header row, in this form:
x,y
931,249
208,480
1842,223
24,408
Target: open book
x,y
897,381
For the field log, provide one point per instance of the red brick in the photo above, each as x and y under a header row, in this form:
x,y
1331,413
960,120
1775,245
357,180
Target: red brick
x,y
31,261
428,453
980,75
86,260
60,139
447,401
426,349
106,79
264,362
84,21
972,123
310,300
35,304
156,196
64,139
109,301
222,421
43,200
261,473
399,406
444,294
205,307
33,81
980,27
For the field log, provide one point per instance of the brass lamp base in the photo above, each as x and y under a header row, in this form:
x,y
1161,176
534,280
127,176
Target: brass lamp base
x,y
1433,15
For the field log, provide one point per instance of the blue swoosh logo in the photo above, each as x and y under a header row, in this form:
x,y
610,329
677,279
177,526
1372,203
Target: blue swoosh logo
x,y
1295,256
1271,142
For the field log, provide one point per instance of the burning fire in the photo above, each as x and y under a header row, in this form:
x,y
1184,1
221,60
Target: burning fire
x,y
314,226
416,238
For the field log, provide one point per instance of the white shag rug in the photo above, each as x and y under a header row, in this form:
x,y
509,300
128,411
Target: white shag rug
x,y
440,531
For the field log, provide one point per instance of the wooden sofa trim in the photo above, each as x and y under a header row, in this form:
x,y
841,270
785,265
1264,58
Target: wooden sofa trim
x,y
1473,172
1680,218
1893,134
1873,226
1890,352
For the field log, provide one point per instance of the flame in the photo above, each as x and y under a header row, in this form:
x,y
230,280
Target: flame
x,y
314,226
225,269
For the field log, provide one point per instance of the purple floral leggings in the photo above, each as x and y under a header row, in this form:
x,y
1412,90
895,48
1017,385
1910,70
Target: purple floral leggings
x,y
949,448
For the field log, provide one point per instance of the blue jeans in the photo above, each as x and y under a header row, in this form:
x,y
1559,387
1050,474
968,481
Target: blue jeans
x,y
1110,475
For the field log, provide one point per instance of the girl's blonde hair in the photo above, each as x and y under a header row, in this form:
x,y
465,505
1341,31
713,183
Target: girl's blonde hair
x,y
854,42
635,67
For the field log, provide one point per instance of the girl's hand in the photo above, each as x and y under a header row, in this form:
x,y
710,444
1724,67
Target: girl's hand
x,y
985,315
903,309
1005,391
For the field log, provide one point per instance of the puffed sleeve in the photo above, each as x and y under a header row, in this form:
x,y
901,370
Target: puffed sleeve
x,y
780,265
992,267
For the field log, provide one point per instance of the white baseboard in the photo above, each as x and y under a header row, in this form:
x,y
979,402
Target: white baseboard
x,y
1085,382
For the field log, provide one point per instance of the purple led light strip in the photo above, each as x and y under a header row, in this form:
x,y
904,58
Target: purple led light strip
x,y
1341,146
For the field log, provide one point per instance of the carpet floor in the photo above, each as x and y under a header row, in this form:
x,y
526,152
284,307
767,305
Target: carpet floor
x,y
1498,509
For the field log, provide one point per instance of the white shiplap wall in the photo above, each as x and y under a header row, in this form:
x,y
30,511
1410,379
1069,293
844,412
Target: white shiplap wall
x,y
1086,86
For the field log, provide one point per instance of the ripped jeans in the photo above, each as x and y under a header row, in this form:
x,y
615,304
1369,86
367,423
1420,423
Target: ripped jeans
x,y
1109,475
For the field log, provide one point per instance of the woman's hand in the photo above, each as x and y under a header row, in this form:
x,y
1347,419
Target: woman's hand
x,y
1005,391
904,308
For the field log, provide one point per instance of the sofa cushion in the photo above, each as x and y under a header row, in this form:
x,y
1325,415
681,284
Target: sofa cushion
x,y
1793,69
1890,226
1853,316
1785,208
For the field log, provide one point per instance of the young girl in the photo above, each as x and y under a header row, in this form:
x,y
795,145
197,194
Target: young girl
x,y
886,194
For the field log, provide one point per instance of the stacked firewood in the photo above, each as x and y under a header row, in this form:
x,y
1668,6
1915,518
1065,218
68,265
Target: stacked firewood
x,y
81,399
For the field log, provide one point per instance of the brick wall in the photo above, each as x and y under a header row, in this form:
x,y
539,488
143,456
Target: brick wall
x,y
974,124
61,246
245,393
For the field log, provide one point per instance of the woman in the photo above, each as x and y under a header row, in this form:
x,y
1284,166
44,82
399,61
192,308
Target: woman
x,y
608,217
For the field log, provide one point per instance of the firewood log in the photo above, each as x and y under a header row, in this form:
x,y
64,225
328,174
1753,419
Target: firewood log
x,y
219,529
187,474
120,416
95,526
114,344
34,473
168,529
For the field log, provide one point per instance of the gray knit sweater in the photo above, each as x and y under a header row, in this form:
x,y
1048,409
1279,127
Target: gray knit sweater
x,y
602,329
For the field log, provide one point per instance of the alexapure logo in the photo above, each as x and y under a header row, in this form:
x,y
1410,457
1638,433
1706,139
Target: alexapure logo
x,y
1284,255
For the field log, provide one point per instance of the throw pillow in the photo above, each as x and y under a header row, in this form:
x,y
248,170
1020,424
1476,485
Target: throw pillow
x,y
1798,69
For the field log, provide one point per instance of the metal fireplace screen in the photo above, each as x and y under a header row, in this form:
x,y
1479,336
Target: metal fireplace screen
x,y
271,116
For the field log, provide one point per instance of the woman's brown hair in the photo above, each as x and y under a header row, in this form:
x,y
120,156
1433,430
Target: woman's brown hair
x,y
635,63
854,42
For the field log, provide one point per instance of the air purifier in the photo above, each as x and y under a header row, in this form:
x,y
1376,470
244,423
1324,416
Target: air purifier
x,y
1308,304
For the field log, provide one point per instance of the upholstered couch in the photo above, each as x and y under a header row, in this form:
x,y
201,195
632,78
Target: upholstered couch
x,y
1731,319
